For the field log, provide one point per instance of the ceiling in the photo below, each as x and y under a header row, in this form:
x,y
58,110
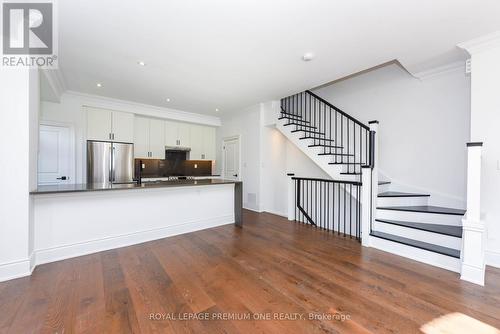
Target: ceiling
x,y
230,54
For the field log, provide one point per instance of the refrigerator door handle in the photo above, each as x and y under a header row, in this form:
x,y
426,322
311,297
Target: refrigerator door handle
x,y
111,164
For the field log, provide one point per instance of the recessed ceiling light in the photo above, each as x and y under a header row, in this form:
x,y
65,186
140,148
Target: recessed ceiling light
x,y
141,63
216,109
308,56
99,84
168,100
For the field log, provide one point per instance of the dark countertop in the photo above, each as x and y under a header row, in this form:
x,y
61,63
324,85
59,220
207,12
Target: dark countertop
x,y
75,188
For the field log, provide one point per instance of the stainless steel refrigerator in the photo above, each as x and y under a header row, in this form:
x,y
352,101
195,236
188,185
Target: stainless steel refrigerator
x,y
109,163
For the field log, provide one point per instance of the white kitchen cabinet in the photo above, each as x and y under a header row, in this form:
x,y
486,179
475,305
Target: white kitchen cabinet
x,y
202,143
98,124
209,143
171,133
107,125
157,138
149,137
141,138
184,134
177,134
122,127
196,139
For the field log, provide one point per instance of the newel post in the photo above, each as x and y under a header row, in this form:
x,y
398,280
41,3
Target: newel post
x,y
291,196
366,205
473,228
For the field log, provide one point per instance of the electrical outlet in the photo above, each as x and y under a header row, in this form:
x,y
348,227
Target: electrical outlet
x,y
195,165
143,166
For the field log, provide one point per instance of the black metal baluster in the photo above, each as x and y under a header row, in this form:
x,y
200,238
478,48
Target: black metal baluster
x,y
350,210
338,218
344,208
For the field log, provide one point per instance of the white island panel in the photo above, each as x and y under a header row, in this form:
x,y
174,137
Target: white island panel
x,y
69,225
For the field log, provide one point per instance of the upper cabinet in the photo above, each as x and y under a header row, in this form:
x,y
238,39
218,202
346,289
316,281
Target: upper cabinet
x,y
202,143
177,134
149,136
107,125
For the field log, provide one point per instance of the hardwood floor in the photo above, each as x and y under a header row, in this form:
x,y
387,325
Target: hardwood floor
x,y
268,268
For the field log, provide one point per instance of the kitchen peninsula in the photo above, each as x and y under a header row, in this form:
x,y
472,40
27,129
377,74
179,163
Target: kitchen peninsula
x,y
73,220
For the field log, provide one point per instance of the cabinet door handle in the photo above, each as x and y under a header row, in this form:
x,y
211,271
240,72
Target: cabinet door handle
x,y
113,136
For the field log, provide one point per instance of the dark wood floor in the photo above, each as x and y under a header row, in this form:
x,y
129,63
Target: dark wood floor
x,y
269,268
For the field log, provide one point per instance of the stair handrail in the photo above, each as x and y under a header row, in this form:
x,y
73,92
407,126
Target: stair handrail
x,y
339,110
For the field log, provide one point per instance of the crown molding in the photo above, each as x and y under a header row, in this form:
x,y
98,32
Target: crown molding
x,y
440,70
96,101
482,43
56,82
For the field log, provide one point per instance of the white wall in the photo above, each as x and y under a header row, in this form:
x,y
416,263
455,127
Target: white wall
x,y
485,121
70,111
19,102
424,125
246,124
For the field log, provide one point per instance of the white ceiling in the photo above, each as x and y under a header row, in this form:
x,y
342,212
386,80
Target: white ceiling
x,y
229,54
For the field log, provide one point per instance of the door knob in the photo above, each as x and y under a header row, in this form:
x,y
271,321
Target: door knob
x,y
62,178
235,175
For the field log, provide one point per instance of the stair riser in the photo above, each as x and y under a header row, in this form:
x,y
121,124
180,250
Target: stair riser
x,y
402,201
420,217
425,236
417,254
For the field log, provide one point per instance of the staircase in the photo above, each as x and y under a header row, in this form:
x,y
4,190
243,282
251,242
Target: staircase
x,y
401,223
334,140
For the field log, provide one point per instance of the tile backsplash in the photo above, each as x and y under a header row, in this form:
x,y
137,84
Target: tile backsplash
x,y
163,168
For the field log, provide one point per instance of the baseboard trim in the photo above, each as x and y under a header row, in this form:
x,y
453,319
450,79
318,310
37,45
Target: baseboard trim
x,y
16,269
277,213
472,274
93,246
493,259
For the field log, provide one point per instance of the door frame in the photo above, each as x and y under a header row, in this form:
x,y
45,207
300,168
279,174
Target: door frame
x,y
72,148
223,155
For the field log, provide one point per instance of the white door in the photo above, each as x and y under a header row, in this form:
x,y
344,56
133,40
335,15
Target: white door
x,y
231,158
55,155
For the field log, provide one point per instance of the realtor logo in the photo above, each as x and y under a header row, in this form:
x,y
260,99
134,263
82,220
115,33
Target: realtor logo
x,y
28,32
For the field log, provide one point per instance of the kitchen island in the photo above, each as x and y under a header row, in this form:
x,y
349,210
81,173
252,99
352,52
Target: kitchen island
x,y
73,220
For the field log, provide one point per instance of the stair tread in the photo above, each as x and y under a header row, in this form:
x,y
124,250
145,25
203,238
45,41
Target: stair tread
x,y
295,119
346,163
425,209
316,138
342,154
401,194
302,125
327,146
308,131
418,244
454,231
381,183
293,115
